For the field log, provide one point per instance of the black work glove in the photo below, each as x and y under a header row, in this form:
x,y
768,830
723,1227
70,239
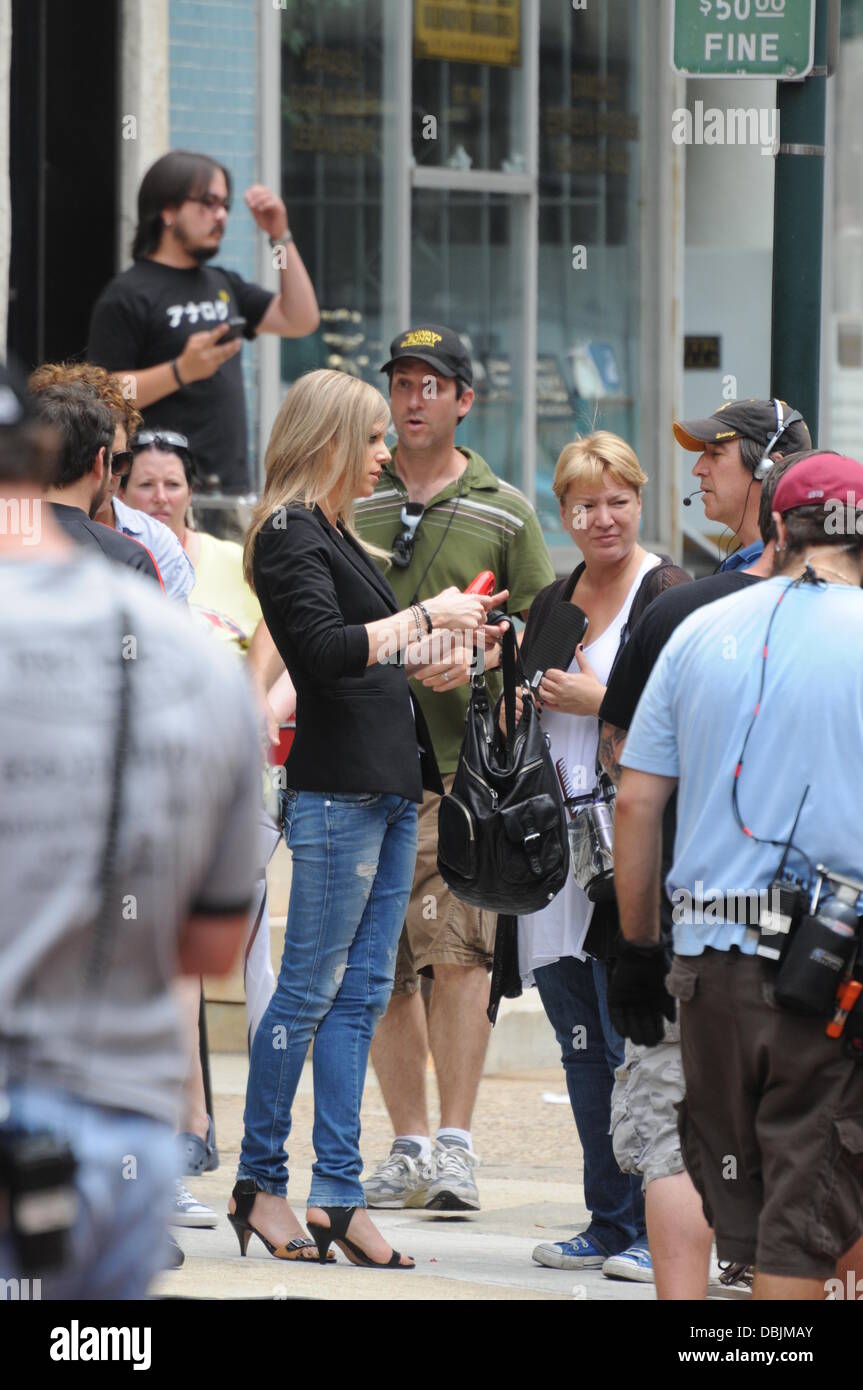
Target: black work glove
x,y
637,998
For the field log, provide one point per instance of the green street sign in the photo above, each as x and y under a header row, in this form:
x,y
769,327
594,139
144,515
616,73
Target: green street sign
x,y
744,38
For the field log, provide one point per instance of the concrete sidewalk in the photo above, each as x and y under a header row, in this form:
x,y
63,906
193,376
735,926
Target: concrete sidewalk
x,y
530,1186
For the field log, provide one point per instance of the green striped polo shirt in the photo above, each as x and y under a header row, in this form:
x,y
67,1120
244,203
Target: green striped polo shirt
x,y
477,523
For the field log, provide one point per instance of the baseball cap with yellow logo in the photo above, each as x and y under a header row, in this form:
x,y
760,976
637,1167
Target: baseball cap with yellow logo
x,y
440,347
756,420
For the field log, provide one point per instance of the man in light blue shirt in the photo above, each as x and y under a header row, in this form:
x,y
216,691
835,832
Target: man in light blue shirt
x,y
178,576
691,724
756,698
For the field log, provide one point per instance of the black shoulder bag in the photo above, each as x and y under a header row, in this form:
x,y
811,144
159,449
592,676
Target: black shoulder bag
x,y
502,834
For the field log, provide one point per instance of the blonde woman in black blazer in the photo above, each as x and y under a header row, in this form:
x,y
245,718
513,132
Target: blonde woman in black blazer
x,y
360,759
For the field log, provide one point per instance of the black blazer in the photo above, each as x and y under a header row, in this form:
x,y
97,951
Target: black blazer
x,y
359,729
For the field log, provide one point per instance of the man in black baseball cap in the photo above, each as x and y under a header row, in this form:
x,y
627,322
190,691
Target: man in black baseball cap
x,y
439,347
736,446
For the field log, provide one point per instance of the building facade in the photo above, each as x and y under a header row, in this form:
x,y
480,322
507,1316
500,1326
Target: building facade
x,y
505,167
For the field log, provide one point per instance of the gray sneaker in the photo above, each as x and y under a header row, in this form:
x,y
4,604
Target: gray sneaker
x,y
402,1180
188,1211
453,1188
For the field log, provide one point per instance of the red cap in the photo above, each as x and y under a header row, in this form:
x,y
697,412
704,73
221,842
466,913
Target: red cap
x,y
818,479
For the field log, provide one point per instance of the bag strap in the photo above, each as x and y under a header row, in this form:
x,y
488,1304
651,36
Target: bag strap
x,y
511,666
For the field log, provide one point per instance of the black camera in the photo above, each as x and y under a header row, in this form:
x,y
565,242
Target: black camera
x,y
38,1198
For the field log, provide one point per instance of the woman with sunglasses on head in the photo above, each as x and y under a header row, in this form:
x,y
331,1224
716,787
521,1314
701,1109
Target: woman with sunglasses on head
x,y
161,482
355,775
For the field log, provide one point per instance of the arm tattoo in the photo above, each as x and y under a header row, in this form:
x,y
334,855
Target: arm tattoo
x,y
611,745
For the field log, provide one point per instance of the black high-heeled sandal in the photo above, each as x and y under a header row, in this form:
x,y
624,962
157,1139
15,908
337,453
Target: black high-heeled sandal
x,y
244,1194
337,1233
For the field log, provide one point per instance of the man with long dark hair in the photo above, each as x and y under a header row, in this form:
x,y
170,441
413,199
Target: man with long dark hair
x,y
163,325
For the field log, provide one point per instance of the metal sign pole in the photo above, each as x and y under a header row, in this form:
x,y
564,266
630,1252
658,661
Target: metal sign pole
x,y
798,231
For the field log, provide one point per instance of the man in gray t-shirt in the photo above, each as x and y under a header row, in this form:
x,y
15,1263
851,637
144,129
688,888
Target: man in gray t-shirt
x,y
102,1064
187,828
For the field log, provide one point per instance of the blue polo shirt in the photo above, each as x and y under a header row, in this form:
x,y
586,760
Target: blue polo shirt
x,y
174,564
742,559
692,720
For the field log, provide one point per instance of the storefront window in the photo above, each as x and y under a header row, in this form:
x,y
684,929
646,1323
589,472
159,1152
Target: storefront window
x,y
588,298
337,165
468,85
411,194
465,274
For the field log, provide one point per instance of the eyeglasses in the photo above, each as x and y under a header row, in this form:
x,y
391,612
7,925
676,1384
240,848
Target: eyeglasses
x,y
211,201
403,545
167,440
121,463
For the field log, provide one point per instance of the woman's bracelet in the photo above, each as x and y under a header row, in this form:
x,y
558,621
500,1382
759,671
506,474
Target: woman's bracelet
x,y
426,615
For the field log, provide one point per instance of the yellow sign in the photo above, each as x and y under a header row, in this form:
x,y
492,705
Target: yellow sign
x,y
469,31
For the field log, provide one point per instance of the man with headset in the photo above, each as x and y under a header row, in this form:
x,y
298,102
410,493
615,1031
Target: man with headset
x,y
735,445
445,516
650,1084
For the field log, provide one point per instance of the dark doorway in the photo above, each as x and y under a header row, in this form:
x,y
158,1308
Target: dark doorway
x,y
64,128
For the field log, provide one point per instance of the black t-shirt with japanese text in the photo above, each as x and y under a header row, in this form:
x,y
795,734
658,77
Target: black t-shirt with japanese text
x,y
143,318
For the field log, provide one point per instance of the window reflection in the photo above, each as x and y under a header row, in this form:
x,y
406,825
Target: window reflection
x,y
465,274
468,82
588,307
333,115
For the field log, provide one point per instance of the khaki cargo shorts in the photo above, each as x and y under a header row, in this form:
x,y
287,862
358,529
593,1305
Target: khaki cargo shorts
x,y
647,1091
439,929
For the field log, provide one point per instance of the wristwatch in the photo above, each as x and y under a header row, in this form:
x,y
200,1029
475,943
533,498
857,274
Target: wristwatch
x,y
284,240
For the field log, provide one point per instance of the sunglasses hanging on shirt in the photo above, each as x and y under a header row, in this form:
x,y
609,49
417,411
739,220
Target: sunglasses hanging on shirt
x,y
403,545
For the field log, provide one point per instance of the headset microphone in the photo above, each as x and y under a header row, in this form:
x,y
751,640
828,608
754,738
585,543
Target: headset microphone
x,y
687,501
783,422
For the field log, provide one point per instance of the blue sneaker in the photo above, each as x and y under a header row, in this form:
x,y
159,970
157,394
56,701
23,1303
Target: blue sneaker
x,y
578,1253
634,1263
